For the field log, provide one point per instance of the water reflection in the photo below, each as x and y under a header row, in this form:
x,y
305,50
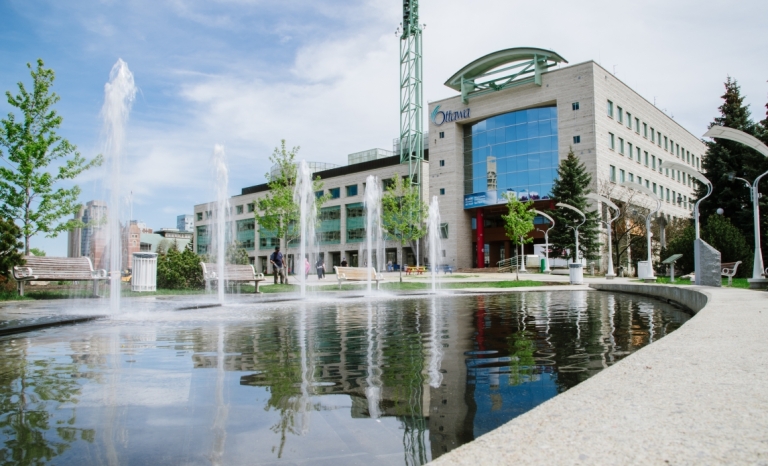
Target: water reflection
x,y
381,382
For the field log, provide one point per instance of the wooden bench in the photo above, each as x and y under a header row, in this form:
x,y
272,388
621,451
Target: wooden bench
x,y
409,269
359,274
232,273
69,269
728,269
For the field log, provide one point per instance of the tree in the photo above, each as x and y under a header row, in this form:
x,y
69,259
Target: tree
x,y
37,252
236,254
10,243
724,156
279,212
31,149
629,243
722,235
518,222
179,269
402,214
572,185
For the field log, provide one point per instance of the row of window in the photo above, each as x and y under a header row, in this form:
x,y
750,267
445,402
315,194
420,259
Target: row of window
x,y
642,156
665,194
625,118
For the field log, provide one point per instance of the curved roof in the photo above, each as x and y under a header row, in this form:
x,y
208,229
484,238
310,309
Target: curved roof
x,y
493,60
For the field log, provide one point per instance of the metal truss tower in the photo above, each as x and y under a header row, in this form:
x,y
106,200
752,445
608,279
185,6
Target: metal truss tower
x,y
411,95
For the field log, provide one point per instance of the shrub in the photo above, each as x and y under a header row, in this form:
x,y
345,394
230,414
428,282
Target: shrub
x,y
179,270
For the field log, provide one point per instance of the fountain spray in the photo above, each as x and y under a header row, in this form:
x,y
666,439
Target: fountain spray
x,y
119,94
433,237
221,216
374,240
304,196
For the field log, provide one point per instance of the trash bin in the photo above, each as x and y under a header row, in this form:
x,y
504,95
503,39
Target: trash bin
x,y
144,276
543,265
644,270
576,273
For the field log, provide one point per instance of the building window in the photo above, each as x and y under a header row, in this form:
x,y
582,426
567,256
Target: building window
x,y
637,125
646,158
697,164
654,188
351,190
335,193
631,177
677,148
251,207
630,152
610,109
639,180
658,138
638,155
621,146
611,141
666,147
621,176
653,134
442,191
319,194
645,130
442,134
576,139
575,105
620,114
444,230
442,163
653,161
239,209
647,183
199,216
667,194
612,174
660,170
629,120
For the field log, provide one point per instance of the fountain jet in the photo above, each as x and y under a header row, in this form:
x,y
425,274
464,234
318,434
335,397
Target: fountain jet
x,y
374,239
304,196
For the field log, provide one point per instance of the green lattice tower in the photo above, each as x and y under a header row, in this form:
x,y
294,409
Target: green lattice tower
x,y
411,95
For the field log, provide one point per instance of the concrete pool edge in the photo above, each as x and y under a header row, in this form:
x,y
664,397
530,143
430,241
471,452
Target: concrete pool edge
x,y
696,395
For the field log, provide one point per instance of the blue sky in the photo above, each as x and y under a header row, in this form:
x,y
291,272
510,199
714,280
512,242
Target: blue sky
x,y
324,74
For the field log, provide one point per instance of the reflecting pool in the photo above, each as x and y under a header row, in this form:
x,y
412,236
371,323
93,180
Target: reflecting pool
x,y
397,380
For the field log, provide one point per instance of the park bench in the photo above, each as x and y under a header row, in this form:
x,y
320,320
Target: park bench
x,y
409,269
68,269
232,273
728,269
358,274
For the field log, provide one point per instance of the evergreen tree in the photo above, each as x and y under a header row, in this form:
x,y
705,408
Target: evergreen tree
x,y
724,156
10,245
571,187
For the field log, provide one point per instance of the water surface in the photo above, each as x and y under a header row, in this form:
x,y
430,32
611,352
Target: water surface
x,y
336,381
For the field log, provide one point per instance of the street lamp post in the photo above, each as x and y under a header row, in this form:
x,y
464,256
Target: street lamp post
x,y
723,132
610,274
574,270
701,179
648,234
546,239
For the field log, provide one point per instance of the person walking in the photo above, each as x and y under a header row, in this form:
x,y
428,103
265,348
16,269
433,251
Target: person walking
x,y
277,266
306,267
320,266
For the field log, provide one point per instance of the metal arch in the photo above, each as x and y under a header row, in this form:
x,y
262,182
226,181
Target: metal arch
x,y
700,178
724,132
606,201
481,76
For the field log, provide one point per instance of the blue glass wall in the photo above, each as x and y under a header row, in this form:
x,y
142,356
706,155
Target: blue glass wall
x,y
516,152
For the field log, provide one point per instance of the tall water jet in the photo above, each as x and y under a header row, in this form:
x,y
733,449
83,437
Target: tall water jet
x,y
221,216
374,239
433,240
119,94
436,348
373,381
304,196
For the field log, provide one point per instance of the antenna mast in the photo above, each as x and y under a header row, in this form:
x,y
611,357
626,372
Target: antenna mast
x,y
411,96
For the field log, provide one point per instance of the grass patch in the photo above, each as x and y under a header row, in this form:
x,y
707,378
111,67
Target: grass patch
x,y
737,282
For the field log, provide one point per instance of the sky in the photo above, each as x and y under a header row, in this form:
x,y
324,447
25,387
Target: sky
x,y
323,75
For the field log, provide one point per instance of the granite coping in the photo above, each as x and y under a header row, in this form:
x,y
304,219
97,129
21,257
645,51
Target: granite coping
x,y
698,395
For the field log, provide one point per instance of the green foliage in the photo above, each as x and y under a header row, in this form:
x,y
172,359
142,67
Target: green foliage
x,y
518,222
10,244
571,187
279,212
236,254
31,146
403,213
37,252
722,235
179,269
724,156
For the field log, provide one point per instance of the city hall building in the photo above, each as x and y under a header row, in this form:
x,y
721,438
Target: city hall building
x,y
516,115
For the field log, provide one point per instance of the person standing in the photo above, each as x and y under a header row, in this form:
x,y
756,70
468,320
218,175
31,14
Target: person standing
x,y
306,268
343,261
320,266
277,265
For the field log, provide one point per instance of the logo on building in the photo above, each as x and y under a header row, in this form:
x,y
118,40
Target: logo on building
x,y
439,117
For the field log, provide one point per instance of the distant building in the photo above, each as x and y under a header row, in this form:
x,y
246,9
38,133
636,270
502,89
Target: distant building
x,y
94,215
185,223
131,242
164,238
